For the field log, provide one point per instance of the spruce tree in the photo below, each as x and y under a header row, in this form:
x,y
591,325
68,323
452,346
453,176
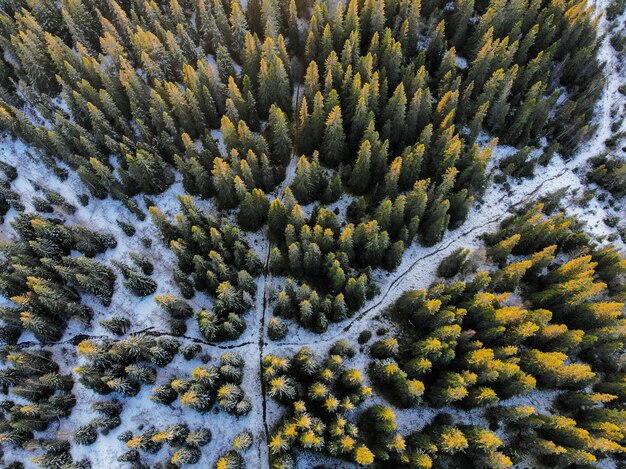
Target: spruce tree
x,y
360,178
333,149
253,212
280,138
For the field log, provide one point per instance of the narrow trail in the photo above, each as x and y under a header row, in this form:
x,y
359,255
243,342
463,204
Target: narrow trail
x,y
78,338
290,173
384,298
481,225
497,206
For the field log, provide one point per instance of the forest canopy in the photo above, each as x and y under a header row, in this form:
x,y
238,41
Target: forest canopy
x,y
211,194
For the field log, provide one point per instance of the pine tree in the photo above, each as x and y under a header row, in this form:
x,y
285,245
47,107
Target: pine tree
x,y
95,278
393,117
311,259
238,27
303,185
435,222
280,138
500,251
176,307
276,329
460,205
225,65
355,292
311,82
294,257
277,220
148,171
230,460
30,47
274,86
392,178
311,129
360,178
333,190
459,21
253,212
117,325
333,149
223,182
139,284
550,369
452,264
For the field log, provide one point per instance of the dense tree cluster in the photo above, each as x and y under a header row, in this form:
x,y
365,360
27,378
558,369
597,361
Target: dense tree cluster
x,y
543,314
184,443
609,172
320,396
548,315
123,366
347,132
45,281
41,394
443,442
323,398
322,255
213,257
338,259
209,384
383,99
364,73
367,79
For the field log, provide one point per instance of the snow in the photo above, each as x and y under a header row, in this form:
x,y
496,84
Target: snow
x,y
416,271
218,136
140,411
212,62
418,268
144,313
461,62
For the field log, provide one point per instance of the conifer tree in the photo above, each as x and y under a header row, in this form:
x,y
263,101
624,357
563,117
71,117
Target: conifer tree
x,y
253,212
360,177
333,149
137,283
274,87
225,65
239,28
452,264
311,82
280,138
276,329
148,171
435,221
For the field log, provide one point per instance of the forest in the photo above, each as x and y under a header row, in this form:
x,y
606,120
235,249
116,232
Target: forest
x,y
312,234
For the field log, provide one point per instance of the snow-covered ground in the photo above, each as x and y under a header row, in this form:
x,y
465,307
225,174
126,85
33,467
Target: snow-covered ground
x,y
417,271
418,268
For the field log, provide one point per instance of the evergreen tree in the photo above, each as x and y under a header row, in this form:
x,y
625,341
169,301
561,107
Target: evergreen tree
x,y
253,212
148,171
452,264
276,329
361,176
280,138
333,149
